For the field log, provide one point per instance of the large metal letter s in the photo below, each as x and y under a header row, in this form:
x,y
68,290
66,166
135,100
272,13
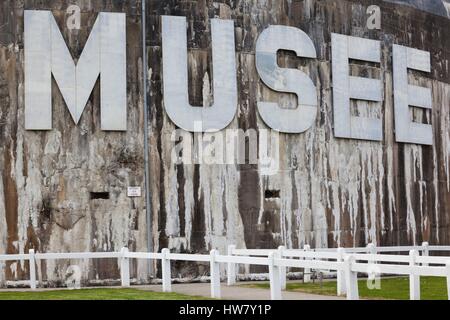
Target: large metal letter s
x,y
271,40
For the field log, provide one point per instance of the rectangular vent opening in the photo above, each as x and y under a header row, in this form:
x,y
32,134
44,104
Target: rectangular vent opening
x,y
99,195
272,194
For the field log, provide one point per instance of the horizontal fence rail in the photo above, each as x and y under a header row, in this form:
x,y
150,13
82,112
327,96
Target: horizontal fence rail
x,y
369,260
346,262
79,255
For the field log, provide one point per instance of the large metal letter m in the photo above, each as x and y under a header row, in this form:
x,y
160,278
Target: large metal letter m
x,y
104,54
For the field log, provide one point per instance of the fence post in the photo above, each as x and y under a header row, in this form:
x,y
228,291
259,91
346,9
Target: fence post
x,y
351,279
125,268
425,252
371,248
274,275
215,275
283,270
166,271
341,273
307,271
231,267
414,280
448,279
32,269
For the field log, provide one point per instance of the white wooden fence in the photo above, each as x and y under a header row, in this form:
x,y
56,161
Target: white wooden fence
x,y
370,260
346,262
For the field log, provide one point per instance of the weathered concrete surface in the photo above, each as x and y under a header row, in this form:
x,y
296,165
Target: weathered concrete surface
x,y
439,7
49,180
328,192
331,191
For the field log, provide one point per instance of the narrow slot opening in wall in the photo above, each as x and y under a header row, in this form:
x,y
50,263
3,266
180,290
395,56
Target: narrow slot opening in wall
x,y
272,194
99,195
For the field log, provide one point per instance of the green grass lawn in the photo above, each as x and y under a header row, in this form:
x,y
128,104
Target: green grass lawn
x,y
432,288
94,294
